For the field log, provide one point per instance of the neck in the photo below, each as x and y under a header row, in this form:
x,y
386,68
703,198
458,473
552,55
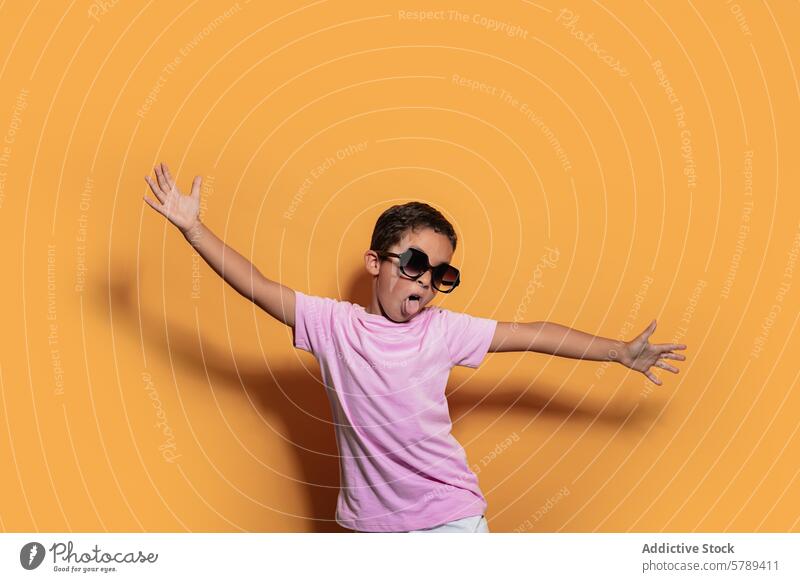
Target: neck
x,y
374,307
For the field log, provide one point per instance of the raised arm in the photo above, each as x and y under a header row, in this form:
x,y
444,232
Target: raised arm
x,y
183,211
559,340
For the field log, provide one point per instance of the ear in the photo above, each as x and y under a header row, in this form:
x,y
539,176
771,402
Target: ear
x,y
372,263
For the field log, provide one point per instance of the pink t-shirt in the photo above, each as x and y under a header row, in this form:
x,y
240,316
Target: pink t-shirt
x,y
400,467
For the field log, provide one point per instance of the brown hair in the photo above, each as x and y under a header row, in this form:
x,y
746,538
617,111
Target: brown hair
x,y
395,221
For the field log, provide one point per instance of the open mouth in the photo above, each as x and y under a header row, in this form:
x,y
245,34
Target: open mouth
x,y
412,304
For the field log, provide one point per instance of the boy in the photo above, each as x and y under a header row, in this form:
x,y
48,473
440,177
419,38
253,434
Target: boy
x,y
386,366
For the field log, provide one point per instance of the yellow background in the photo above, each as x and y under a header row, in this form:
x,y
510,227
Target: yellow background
x,y
114,330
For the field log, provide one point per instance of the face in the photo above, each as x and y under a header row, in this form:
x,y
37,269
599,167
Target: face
x,y
391,289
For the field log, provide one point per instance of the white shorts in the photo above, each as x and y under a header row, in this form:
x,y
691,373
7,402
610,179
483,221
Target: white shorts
x,y
471,524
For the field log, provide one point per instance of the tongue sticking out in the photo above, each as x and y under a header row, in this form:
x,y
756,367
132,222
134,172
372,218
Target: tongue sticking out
x,y
411,306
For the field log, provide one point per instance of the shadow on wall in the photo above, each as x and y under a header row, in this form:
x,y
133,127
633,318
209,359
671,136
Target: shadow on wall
x,y
307,416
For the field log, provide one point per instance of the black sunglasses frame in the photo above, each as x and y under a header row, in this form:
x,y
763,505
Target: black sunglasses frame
x,y
437,272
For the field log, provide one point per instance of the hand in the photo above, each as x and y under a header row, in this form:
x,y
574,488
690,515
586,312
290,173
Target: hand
x,y
179,209
640,355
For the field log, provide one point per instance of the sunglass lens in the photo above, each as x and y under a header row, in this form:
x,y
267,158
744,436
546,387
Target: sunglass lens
x,y
416,264
446,277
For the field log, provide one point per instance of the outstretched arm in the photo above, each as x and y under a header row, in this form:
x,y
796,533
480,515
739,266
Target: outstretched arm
x,y
183,211
559,340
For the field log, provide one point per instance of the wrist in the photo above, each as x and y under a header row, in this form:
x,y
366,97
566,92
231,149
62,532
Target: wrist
x,y
618,352
192,232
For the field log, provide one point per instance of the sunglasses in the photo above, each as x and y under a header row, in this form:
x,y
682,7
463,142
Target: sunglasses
x,y
414,263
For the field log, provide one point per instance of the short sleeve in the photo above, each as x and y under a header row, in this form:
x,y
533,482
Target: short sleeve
x,y
466,337
313,319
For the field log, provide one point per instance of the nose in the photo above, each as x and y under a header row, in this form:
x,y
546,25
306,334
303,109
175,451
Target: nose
x,y
425,279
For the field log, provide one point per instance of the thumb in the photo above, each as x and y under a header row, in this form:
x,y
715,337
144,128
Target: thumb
x,y
196,185
649,330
